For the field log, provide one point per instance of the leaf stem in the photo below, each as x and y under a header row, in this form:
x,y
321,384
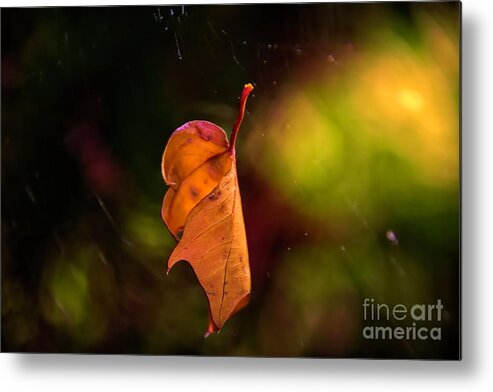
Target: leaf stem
x,y
247,89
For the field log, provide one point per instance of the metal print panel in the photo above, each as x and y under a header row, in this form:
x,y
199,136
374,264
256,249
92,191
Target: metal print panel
x,y
234,180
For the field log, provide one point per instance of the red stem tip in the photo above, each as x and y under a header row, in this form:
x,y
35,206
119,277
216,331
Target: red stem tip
x,y
247,89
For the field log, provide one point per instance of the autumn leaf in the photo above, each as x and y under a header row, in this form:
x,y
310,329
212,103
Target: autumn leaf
x,y
203,203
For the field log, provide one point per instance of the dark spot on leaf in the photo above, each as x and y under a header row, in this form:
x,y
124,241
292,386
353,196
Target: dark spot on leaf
x,y
193,192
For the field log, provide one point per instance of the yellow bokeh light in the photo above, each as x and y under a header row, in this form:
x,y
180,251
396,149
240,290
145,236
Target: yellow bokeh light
x,y
390,112
410,100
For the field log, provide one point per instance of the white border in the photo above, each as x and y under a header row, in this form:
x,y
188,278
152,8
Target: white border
x,y
474,373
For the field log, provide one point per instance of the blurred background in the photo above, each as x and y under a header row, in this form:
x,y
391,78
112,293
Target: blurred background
x,y
348,164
